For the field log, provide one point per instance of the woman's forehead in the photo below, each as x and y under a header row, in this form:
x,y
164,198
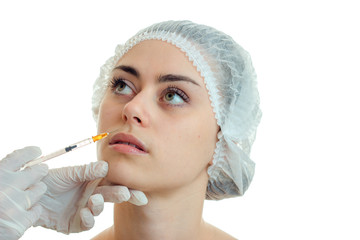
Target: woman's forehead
x,y
161,57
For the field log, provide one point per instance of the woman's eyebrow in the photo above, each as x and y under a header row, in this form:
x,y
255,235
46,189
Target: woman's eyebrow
x,y
128,69
162,78
174,78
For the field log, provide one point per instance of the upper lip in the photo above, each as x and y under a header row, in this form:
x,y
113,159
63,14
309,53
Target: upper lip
x,y
127,138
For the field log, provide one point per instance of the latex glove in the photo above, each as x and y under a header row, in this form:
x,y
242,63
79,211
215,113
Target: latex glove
x,y
114,194
19,192
70,203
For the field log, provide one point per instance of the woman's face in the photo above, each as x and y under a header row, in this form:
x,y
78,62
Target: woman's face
x,y
157,102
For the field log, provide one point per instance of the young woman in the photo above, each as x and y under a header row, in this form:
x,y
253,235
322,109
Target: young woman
x,y
181,103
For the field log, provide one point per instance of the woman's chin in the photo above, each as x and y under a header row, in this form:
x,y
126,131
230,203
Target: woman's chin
x,y
122,178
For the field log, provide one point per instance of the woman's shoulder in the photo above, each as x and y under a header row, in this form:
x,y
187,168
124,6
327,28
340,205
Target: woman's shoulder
x,y
104,235
217,234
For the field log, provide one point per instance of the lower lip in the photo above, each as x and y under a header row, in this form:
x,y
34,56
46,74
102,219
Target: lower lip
x,y
123,148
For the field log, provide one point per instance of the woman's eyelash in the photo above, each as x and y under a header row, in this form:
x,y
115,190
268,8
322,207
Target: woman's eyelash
x,y
174,89
115,82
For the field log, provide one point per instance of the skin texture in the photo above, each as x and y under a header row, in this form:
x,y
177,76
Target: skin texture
x,y
179,132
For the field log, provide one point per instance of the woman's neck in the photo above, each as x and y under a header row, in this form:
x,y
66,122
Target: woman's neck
x,y
176,214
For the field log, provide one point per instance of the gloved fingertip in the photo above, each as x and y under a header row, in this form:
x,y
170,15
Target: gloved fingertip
x,y
96,199
138,198
114,194
87,219
34,149
101,169
122,194
18,158
96,204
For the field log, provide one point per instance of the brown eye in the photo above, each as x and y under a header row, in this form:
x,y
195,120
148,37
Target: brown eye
x,y
169,96
174,96
121,86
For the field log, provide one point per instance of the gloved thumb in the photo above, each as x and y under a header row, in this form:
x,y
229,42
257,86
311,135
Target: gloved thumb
x,y
89,172
78,174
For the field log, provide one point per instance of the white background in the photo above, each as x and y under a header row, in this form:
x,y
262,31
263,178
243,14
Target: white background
x,y
306,54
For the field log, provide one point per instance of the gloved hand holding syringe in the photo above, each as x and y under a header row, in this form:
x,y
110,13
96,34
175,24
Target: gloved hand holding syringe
x,y
65,200
66,149
79,214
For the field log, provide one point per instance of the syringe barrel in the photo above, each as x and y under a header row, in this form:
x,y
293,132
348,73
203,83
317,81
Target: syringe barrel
x,y
45,158
82,143
59,152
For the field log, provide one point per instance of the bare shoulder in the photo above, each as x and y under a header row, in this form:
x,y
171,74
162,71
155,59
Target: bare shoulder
x,y
217,234
104,235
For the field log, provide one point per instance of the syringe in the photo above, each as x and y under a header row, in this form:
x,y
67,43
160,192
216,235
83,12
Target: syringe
x,y
66,149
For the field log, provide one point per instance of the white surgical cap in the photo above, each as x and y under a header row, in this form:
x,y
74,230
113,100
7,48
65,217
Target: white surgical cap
x,y
231,83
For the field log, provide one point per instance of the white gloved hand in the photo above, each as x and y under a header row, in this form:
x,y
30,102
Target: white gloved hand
x,y
19,192
101,194
69,204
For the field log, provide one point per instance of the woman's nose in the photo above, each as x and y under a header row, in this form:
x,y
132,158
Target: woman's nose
x,y
136,111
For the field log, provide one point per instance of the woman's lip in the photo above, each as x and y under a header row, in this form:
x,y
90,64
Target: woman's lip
x,y
121,138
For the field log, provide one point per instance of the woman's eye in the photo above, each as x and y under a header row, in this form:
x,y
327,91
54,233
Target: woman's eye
x,y
175,96
120,87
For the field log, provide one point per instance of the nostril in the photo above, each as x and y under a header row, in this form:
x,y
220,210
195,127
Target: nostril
x,y
137,119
